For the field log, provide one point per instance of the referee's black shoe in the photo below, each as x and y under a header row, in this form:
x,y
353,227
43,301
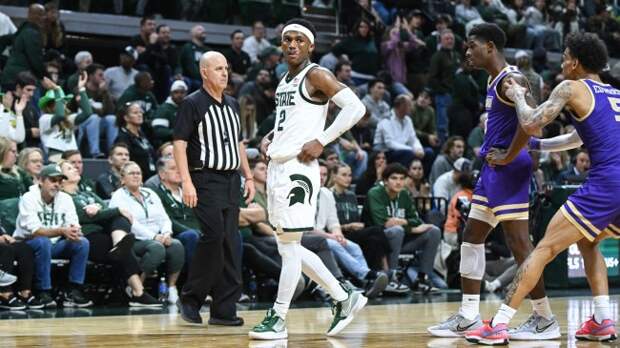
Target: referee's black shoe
x,y
236,321
189,313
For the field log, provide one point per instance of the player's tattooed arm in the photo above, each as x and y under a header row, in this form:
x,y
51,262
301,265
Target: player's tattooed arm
x,y
534,119
520,139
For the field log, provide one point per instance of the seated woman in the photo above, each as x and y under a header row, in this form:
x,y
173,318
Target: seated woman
x,y
372,240
376,164
130,119
11,251
13,181
109,232
151,226
30,160
348,253
57,123
415,182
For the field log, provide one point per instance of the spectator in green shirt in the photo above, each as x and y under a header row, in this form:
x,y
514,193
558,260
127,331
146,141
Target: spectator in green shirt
x,y
13,181
108,231
140,93
27,50
185,225
362,50
166,115
190,56
390,205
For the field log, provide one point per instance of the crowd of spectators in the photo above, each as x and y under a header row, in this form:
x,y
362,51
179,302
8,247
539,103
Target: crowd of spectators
x,y
389,184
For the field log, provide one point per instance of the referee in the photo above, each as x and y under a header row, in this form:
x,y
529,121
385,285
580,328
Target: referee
x,y
209,153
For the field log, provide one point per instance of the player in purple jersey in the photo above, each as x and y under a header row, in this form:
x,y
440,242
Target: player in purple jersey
x,y
592,212
501,196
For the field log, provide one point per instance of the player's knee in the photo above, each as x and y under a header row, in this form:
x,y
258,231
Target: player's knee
x,y
473,235
472,261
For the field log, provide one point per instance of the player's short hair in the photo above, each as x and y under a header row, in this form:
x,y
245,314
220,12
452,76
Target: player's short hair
x,y
589,50
490,32
393,168
303,22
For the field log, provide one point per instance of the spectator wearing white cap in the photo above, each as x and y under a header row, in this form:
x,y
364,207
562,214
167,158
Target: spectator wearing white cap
x,y
165,116
119,78
449,183
524,62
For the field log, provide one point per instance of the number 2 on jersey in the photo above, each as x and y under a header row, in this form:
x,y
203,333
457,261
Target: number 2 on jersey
x,y
281,120
615,105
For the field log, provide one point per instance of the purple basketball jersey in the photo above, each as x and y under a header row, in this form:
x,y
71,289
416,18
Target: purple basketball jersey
x,y
594,207
502,118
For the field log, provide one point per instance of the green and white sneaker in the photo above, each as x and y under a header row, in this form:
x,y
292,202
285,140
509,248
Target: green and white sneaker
x,y
344,311
271,328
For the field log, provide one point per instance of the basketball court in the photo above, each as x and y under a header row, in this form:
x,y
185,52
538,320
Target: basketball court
x,y
379,325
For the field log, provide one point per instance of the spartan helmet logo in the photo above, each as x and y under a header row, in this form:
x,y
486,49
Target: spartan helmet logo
x,y
303,187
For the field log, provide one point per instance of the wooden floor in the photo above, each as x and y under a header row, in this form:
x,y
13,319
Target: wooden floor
x,y
400,325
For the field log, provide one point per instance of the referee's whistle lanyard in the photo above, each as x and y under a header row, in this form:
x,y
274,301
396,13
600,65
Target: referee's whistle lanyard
x,y
141,202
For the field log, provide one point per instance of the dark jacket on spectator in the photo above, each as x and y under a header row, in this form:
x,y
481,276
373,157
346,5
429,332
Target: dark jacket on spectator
x,y
140,151
26,54
14,184
189,59
92,224
443,68
107,183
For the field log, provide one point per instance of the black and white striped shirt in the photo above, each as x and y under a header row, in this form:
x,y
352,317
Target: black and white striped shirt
x,y
212,131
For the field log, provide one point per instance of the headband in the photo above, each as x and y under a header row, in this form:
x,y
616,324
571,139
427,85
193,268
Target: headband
x,y
300,28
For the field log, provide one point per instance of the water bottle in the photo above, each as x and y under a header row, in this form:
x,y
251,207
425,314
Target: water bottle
x,y
163,290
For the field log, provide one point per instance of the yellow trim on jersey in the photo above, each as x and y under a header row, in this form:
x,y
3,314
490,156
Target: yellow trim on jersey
x,y
614,228
480,198
490,82
513,216
583,118
611,233
480,207
510,206
576,224
582,218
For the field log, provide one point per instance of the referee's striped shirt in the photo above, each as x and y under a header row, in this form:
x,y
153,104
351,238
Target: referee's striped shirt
x,y
212,131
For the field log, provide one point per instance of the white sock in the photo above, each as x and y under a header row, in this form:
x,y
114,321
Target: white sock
x,y
492,286
289,276
470,306
542,307
314,268
601,308
504,314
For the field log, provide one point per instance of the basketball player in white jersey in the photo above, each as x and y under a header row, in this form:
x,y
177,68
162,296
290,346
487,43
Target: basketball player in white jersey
x,y
293,180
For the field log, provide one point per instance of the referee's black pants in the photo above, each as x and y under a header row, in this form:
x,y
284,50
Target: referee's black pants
x,y
215,268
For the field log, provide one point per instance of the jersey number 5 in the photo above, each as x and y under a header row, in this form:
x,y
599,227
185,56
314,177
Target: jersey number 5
x,y
615,105
281,120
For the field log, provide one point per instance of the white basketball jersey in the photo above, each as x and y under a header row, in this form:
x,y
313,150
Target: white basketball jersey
x,y
299,119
